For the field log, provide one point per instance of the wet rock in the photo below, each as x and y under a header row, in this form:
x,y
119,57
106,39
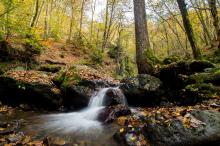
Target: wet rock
x,y
131,136
114,96
109,114
76,97
29,87
178,135
77,87
175,75
15,137
142,90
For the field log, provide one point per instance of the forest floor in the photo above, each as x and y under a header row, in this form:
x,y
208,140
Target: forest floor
x,y
132,128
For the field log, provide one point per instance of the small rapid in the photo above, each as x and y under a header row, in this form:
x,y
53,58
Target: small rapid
x,y
84,122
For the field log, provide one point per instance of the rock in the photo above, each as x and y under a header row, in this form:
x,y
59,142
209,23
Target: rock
x,y
171,59
178,135
50,68
114,96
142,90
109,114
198,92
175,75
213,78
4,46
77,86
76,97
29,87
16,137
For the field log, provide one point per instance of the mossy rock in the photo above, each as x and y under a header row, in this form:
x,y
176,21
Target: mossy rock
x,y
68,77
29,87
33,46
143,90
171,59
175,74
213,78
50,68
200,91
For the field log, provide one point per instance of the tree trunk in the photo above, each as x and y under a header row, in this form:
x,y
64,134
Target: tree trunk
x,y
188,28
206,34
142,38
106,26
110,21
214,12
81,17
46,25
71,20
93,6
34,18
39,13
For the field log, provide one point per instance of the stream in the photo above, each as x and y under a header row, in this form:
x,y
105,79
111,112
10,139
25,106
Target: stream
x,y
80,127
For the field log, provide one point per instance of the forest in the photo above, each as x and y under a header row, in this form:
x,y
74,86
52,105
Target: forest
x,y
109,73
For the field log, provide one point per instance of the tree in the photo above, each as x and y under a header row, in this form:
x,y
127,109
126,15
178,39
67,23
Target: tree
x,y
206,34
72,2
214,12
142,38
188,28
33,20
46,19
81,17
93,7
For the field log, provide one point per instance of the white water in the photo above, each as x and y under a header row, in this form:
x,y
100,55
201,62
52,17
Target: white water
x,y
84,122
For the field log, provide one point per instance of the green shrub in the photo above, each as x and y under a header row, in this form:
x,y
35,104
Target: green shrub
x,y
112,53
171,59
96,57
33,46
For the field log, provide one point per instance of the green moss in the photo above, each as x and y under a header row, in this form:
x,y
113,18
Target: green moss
x,y
200,77
171,59
96,57
67,77
112,53
201,90
33,46
152,58
49,68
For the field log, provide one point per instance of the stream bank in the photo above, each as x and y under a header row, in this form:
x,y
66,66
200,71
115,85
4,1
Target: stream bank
x,y
169,107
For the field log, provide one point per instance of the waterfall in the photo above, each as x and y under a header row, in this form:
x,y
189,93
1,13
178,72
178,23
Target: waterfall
x,y
98,98
84,121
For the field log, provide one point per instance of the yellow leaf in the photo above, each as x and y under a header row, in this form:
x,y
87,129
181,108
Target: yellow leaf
x,y
121,130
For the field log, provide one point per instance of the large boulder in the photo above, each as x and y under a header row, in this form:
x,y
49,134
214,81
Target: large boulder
x,y
29,87
205,77
142,90
175,75
114,96
188,128
206,131
111,113
78,84
4,46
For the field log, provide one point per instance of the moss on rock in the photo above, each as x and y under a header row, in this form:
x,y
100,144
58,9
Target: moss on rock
x,y
171,59
68,77
200,91
50,68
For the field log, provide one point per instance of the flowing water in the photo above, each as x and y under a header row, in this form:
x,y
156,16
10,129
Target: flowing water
x,y
82,125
